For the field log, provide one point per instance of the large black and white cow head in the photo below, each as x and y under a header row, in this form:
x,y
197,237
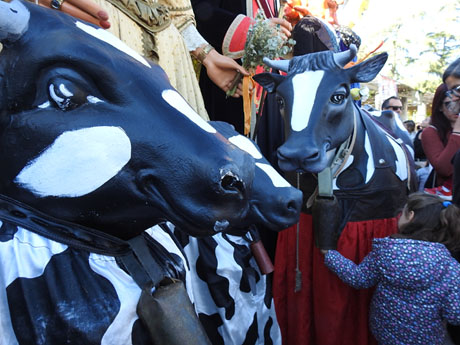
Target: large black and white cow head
x,y
93,133
315,101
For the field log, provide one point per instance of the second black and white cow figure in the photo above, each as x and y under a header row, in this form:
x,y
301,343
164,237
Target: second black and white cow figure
x,y
364,177
231,295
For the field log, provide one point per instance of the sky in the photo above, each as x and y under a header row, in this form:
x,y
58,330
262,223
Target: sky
x,y
416,18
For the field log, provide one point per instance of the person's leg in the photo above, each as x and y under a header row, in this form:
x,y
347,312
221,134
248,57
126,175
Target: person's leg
x,y
422,176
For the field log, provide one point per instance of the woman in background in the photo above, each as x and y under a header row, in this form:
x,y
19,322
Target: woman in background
x,y
441,140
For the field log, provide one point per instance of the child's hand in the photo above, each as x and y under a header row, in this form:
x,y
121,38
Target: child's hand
x,y
324,251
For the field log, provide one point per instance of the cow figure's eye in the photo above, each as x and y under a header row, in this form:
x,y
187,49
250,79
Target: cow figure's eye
x,y
66,94
338,98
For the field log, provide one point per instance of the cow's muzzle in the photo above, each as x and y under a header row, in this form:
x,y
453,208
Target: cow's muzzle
x,y
303,157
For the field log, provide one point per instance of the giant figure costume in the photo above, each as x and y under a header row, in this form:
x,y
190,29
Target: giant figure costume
x,y
368,181
228,272
90,164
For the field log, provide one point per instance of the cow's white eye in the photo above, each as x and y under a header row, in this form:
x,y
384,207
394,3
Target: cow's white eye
x,y
337,98
66,94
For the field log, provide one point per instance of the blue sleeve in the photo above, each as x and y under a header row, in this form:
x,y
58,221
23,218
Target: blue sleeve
x,y
451,302
360,276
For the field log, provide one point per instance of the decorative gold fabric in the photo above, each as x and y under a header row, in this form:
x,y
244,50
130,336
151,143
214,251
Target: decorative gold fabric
x,y
149,14
145,26
181,12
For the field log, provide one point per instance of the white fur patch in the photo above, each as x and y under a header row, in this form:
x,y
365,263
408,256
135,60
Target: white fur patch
x,y
401,160
77,163
277,180
247,305
107,37
246,145
158,234
175,100
304,86
36,251
119,331
197,289
370,161
26,256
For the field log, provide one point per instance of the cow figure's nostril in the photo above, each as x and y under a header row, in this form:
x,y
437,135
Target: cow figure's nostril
x,y
292,205
312,156
231,183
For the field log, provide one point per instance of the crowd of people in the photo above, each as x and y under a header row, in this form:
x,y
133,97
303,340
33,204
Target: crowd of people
x,y
414,270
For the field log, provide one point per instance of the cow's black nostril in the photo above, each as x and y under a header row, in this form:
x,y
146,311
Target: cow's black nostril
x,y
232,183
292,205
312,156
281,155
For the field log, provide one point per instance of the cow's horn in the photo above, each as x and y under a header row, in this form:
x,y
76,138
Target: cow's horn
x,y
14,20
342,58
282,65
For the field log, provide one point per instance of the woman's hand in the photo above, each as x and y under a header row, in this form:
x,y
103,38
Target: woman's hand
x,y
284,25
86,10
222,70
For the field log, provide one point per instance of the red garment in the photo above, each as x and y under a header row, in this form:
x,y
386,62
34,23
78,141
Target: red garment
x,y
438,155
326,311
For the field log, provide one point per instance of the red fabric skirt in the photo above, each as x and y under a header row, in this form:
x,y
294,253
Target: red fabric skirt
x,y
325,311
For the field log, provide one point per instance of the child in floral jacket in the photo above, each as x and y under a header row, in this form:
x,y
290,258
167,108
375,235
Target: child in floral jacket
x,y
418,281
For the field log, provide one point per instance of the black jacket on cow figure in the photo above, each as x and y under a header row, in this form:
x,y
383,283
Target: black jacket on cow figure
x,y
370,183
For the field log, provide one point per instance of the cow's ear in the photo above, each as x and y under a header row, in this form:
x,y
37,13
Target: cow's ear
x,y
368,69
269,81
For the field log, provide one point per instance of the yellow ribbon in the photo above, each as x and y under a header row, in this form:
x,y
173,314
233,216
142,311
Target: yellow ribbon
x,y
247,103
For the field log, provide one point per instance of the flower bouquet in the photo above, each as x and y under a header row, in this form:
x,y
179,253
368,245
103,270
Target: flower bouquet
x,y
263,40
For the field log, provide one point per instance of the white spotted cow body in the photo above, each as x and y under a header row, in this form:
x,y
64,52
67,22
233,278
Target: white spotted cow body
x,y
232,298
97,147
54,293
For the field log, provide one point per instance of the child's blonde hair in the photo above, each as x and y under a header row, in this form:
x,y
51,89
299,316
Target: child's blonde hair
x,y
435,220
